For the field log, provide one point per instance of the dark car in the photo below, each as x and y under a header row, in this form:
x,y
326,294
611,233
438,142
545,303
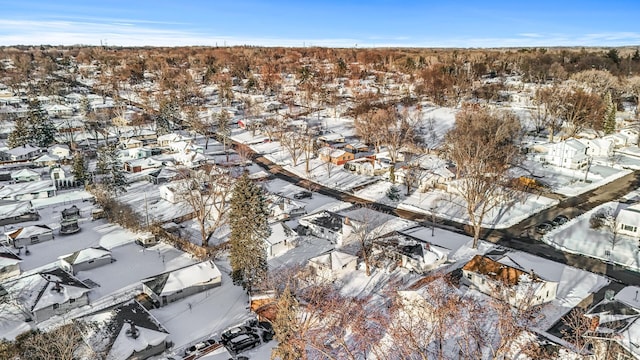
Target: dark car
x,y
266,329
233,332
559,220
243,342
303,195
544,227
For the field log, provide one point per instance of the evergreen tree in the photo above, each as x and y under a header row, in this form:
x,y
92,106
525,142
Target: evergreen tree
x,y
109,166
20,134
609,125
286,328
41,129
636,56
79,167
249,229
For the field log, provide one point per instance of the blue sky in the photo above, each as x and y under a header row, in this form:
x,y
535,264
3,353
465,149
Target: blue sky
x,y
322,23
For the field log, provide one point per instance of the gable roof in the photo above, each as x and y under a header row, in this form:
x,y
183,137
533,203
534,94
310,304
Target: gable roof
x,y
28,231
24,173
83,255
335,260
105,331
192,275
15,209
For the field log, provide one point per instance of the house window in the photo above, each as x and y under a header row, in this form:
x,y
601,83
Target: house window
x,y
34,239
71,301
630,228
482,281
56,306
179,291
469,276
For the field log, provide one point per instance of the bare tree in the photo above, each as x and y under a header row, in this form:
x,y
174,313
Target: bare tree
x,y
581,110
547,102
206,192
58,344
481,144
295,143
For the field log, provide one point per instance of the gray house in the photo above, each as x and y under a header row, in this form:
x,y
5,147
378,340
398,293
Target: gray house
x,y
28,235
47,294
85,259
125,331
178,284
17,212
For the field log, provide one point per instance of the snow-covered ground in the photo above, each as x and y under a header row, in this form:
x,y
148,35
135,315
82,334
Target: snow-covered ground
x,y
578,237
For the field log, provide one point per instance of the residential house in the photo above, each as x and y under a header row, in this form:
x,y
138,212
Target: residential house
x,y
17,212
326,225
357,148
178,284
46,294
57,173
367,166
27,190
336,156
168,139
31,234
411,253
21,153
332,265
139,165
163,175
628,221
518,287
617,319
331,138
600,147
130,143
282,208
57,110
25,175
127,331
175,191
570,154
189,158
281,239
9,263
85,259
46,160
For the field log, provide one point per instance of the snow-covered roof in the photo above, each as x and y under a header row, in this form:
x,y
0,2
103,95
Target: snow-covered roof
x,y
171,282
13,190
47,158
42,290
22,150
22,173
85,255
629,295
331,137
8,258
629,215
334,260
28,231
106,331
15,209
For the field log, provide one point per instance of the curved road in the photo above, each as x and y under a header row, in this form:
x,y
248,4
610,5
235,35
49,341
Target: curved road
x,y
519,236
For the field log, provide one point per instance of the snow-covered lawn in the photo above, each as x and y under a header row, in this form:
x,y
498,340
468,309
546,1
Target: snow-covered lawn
x,y
578,237
570,182
450,206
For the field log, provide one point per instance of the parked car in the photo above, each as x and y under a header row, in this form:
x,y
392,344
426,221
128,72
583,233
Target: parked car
x,y
233,332
196,348
303,195
559,220
243,342
266,329
544,227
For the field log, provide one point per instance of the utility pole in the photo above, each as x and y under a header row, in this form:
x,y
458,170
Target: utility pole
x,y
146,209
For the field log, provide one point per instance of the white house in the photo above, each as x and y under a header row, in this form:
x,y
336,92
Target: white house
x,y
508,283
17,212
25,175
601,147
282,239
571,154
175,191
168,139
628,221
57,110
329,266
60,150
411,253
328,225
178,284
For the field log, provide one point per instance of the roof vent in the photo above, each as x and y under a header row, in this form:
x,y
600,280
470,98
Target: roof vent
x,y
133,332
57,288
